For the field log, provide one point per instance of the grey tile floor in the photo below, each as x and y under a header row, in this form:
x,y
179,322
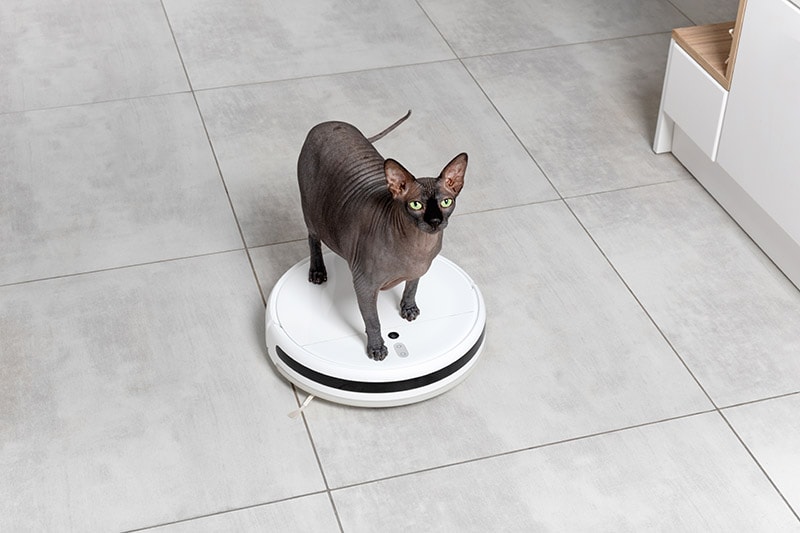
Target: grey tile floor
x,y
642,367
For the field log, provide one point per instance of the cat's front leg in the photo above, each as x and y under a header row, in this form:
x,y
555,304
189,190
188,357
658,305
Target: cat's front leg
x,y
408,304
367,297
317,273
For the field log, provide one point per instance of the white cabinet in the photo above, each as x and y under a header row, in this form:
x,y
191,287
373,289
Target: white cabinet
x,y
743,143
694,100
760,141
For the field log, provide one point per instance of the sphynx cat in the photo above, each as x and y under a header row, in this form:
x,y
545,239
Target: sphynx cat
x,y
371,211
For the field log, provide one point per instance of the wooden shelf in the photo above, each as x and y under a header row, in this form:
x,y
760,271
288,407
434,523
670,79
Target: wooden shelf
x,y
710,46
713,46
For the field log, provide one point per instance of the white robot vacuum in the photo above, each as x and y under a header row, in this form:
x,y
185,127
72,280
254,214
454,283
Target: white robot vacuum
x,y
315,336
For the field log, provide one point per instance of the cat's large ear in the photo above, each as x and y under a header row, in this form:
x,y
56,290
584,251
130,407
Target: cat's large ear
x,y
398,179
453,173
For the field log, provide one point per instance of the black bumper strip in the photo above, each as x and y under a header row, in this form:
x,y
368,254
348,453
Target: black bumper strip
x,y
372,387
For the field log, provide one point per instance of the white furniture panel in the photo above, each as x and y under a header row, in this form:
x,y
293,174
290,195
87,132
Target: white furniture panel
x,y
755,175
693,99
760,144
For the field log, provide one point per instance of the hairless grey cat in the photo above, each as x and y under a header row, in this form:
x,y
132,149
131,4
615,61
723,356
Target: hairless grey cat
x,y
383,221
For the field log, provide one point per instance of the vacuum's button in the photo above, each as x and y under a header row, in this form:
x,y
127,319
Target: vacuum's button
x,y
400,349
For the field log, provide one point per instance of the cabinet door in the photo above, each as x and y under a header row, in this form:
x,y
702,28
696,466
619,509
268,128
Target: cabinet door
x,y
759,145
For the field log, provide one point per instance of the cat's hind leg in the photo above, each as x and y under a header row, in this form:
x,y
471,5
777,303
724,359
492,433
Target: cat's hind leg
x,y
316,271
408,304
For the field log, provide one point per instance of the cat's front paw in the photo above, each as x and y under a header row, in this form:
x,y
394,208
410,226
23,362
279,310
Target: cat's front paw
x,y
409,312
317,277
377,352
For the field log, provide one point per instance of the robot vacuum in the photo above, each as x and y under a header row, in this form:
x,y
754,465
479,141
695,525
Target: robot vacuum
x,y
316,340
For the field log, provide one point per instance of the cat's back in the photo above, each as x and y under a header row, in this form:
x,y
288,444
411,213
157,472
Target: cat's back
x,y
340,148
338,161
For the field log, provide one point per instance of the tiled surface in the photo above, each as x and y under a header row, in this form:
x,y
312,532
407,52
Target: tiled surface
x,y
771,430
683,475
568,353
477,27
708,11
257,131
726,309
112,184
142,225
586,113
226,42
141,396
57,53
309,513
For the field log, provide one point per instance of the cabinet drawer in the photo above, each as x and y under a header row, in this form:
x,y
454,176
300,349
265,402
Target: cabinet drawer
x,y
694,100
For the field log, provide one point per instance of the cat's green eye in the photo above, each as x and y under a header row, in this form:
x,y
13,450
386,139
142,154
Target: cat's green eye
x,y
447,202
415,205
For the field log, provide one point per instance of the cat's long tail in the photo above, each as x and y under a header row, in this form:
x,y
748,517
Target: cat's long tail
x,y
382,134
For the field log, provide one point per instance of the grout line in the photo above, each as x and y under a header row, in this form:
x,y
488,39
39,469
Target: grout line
x,y
455,57
329,74
564,45
93,102
756,461
120,267
267,245
249,257
632,187
316,456
679,10
491,103
563,200
504,207
760,400
216,159
329,491
642,306
688,369
177,48
227,511
527,449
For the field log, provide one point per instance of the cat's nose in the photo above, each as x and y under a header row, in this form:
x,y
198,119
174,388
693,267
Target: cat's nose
x,y
434,222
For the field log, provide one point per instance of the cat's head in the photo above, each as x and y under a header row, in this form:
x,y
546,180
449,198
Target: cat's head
x,y
428,201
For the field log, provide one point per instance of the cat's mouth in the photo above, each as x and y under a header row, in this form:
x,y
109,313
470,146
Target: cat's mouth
x,y
434,227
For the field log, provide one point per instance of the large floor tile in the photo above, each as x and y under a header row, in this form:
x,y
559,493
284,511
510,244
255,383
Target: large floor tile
x,y
587,113
728,311
257,132
313,514
568,352
771,430
226,42
56,53
105,185
271,262
685,475
476,27
141,396
708,11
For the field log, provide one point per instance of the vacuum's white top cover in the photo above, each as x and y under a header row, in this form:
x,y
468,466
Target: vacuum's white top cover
x,y
321,327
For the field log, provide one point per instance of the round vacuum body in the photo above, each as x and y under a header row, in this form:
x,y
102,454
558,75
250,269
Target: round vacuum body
x,y
315,336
